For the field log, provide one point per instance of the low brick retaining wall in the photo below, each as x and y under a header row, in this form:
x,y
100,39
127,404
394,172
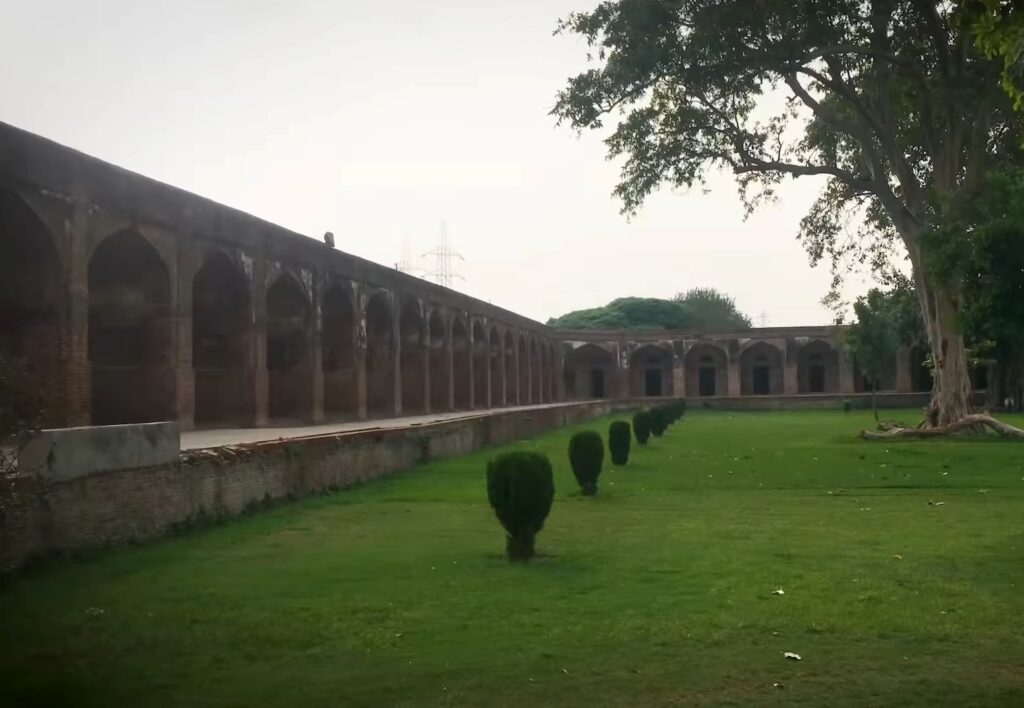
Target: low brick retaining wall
x,y
46,517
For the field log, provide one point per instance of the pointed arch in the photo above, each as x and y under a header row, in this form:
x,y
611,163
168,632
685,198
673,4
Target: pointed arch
x,y
289,360
523,390
761,371
511,370
337,337
817,368
32,302
707,370
590,372
461,364
650,371
440,364
221,350
380,357
414,357
481,367
496,367
130,332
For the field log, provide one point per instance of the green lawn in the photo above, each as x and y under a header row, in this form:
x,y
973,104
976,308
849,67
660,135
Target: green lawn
x,y
656,592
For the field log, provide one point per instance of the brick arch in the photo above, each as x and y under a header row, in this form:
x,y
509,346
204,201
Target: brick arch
x,y
414,359
438,328
650,371
511,368
707,370
481,368
461,363
817,367
761,369
338,341
590,372
536,370
32,302
496,364
289,314
221,342
130,334
523,357
379,316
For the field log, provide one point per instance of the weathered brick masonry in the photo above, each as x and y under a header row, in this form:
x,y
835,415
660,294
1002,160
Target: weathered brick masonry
x,y
132,505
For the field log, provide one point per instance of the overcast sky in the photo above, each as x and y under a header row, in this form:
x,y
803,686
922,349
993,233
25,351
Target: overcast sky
x,y
376,120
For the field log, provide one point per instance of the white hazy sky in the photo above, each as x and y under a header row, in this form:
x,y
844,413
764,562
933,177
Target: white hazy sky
x,y
376,120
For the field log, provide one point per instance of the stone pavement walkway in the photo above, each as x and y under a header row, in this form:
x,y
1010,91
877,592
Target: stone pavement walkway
x,y
218,437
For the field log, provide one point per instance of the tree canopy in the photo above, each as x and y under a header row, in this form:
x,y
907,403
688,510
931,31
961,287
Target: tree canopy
x,y
889,102
698,308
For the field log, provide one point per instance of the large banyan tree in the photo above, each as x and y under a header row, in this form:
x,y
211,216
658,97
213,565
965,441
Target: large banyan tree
x,y
889,100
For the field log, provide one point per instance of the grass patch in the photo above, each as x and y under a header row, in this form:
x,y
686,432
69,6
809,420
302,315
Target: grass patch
x,y
658,591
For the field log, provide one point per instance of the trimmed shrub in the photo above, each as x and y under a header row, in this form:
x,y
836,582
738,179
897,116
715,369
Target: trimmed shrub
x,y
520,488
847,405
642,426
619,436
659,421
586,455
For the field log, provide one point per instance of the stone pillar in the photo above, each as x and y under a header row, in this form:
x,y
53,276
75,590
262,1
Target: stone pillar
x,y
396,358
845,372
529,375
258,340
733,374
75,327
678,377
425,360
316,378
359,355
449,354
791,372
489,398
904,378
187,265
503,370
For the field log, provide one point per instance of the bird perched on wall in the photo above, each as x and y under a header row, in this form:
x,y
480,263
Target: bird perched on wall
x,y
329,239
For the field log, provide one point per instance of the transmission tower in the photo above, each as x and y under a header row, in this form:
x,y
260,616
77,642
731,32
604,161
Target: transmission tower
x,y
408,264
444,272
763,318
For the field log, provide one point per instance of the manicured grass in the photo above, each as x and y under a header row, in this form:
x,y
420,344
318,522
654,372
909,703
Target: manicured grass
x,y
656,592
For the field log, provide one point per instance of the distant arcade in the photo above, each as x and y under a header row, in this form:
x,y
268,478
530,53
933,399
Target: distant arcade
x,y
135,301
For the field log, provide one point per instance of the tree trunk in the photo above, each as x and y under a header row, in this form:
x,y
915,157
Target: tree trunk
x,y
874,398
951,389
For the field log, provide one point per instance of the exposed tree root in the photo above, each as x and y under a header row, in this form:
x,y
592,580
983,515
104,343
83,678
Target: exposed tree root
x,y
975,422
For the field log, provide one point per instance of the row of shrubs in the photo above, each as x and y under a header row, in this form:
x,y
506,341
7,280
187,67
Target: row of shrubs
x,y
521,485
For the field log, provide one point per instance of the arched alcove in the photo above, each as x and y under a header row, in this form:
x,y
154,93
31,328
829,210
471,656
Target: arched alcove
x,y
440,364
130,332
337,337
380,357
590,372
460,364
414,357
480,366
31,304
650,371
289,364
761,372
221,326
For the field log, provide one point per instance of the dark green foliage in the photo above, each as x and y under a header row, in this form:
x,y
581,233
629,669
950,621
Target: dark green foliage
x,y
701,308
659,421
520,488
642,426
619,436
586,455
847,405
